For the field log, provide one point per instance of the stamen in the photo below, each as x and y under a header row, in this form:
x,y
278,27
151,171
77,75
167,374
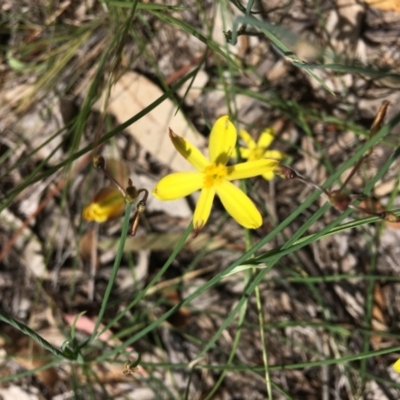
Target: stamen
x,y
214,174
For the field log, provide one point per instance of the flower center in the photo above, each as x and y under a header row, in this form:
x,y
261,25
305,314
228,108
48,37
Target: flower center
x,y
256,154
214,174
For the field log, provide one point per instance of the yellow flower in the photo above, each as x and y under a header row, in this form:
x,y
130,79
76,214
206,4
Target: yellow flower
x,y
258,151
396,366
213,177
107,204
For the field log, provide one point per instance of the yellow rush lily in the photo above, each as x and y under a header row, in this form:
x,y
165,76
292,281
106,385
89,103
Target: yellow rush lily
x,y
107,204
213,177
110,202
396,366
258,150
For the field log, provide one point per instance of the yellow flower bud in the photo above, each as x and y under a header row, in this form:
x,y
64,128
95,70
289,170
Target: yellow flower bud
x,y
107,204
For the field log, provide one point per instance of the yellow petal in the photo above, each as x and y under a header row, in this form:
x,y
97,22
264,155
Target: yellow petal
x,y
268,175
177,185
188,151
203,208
249,169
244,153
222,140
246,137
107,204
396,366
266,138
239,206
277,155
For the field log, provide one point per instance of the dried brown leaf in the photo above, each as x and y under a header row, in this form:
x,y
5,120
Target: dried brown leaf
x,y
375,205
387,5
134,92
87,243
378,314
31,355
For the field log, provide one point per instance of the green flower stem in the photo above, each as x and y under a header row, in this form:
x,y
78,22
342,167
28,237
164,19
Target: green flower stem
x,y
241,318
141,295
264,344
120,251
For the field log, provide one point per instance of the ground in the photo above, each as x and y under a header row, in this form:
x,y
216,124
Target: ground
x,y
305,307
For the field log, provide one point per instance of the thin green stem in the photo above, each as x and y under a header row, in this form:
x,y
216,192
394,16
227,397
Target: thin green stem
x,y
264,345
235,345
143,292
117,262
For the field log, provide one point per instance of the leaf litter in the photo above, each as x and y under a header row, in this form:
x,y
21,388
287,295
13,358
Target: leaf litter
x,y
318,143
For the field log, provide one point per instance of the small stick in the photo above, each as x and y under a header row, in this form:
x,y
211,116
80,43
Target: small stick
x,y
342,201
140,209
376,125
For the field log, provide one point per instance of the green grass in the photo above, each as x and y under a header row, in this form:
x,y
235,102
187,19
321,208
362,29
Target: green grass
x,y
140,318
